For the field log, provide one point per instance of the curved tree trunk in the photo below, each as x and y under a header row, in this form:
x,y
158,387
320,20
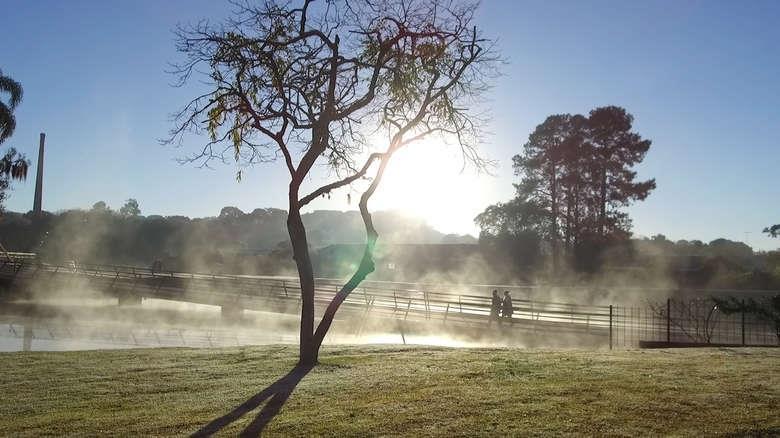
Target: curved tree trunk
x,y
367,262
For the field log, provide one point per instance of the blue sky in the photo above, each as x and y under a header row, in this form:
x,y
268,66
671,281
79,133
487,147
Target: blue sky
x,y
700,77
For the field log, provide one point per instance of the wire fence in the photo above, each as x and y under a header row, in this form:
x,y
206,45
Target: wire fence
x,y
689,322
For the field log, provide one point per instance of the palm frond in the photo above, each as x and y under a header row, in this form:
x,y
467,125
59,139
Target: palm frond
x,y
13,88
7,122
14,164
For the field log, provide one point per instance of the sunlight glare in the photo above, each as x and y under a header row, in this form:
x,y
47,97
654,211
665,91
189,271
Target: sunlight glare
x,y
427,179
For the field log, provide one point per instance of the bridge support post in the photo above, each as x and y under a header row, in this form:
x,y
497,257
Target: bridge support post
x,y
610,326
127,299
401,330
27,336
231,312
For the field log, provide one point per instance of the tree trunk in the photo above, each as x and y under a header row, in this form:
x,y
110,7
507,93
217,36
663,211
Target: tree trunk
x,y
577,219
603,202
569,219
366,263
366,267
300,247
554,224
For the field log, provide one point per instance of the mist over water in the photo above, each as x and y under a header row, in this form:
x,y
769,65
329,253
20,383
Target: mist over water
x,y
76,315
99,324
67,321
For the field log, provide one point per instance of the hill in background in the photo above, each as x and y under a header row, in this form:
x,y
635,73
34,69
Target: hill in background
x,y
233,241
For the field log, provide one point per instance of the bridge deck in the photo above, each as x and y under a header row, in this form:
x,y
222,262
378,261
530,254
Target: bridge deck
x,y
277,294
457,305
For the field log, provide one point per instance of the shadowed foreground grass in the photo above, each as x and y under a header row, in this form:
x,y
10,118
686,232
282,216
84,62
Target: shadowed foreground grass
x,y
360,391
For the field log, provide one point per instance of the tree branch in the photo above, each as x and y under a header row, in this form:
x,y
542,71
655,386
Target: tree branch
x,y
335,185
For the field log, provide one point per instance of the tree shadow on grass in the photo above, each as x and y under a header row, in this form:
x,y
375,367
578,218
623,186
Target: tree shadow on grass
x,y
276,394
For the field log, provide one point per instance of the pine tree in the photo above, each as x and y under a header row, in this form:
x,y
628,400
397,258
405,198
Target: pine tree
x,y
578,172
614,151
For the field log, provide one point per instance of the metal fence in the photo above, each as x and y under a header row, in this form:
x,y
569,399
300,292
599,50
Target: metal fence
x,y
691,322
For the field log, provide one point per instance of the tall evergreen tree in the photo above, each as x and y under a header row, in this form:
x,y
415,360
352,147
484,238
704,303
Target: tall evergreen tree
x,y
578,172
574,183
614,151
543,165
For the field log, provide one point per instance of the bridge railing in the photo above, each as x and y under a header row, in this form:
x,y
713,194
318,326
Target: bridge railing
x,y
401,300
409,298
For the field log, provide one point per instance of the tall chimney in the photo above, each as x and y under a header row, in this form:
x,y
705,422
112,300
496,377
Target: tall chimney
x,y
38,202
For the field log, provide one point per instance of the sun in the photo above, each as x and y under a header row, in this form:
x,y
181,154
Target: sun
x,y
427,179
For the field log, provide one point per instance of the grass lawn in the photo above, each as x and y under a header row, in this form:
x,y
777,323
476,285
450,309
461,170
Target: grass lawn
x,y
359,391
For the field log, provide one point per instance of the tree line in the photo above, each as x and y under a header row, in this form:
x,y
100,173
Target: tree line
x,y
255,242
232,242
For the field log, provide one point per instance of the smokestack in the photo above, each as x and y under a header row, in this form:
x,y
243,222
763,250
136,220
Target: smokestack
x,y
37,203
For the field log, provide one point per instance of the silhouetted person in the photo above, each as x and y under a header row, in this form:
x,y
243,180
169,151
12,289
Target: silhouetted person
x,y
156,266
506,306
495,306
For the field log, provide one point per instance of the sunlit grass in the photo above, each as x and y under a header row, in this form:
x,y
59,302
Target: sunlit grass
x,y
359,391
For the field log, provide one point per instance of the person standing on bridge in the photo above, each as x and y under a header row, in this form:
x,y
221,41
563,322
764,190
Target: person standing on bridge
x,y
495,307
506,306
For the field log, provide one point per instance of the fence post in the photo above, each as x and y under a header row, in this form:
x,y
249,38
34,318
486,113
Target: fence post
x,y
743,322
427,305
610,326
668,320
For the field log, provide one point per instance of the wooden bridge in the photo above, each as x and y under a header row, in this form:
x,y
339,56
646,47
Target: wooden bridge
x,y
24,277
456,306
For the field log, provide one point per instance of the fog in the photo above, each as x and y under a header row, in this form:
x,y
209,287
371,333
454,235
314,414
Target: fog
x,y
77,317
445,283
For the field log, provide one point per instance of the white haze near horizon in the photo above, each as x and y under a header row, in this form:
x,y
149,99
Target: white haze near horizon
x,y
428,181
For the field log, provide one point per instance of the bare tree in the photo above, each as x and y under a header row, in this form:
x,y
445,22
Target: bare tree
x,y
312,83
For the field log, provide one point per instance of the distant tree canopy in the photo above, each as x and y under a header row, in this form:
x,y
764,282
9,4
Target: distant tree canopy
x,y
130,208
100,206
576,176
230,212
239,243
257,243
515,230
773,231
